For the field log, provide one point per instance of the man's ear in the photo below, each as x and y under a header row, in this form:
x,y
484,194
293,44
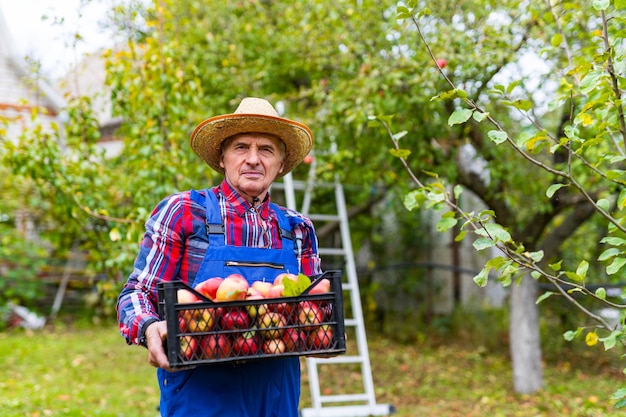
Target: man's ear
x,y
222,161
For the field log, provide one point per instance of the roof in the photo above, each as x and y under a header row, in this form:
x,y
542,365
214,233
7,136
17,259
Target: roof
x,y
18,84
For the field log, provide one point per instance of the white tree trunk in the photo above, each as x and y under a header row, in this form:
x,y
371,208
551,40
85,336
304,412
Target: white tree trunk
x,y
525,338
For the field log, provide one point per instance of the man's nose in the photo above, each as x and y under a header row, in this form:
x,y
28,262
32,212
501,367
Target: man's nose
x,y
253,156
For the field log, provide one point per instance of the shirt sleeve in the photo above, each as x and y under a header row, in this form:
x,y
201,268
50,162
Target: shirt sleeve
x,y
159,259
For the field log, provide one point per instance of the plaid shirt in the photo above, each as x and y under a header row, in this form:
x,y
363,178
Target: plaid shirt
x,y
175,242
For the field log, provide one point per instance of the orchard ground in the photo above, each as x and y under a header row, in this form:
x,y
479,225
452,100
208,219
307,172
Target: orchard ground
x,y
79,370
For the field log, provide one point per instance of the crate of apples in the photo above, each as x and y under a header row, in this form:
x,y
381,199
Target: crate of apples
x,y
230,319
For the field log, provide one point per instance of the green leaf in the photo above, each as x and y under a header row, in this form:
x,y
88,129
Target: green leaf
x,y
536,256
460,236
483,243
458,190
403,13
459,116
482,278
414,200
620,393
445,95
498,232
610,340
582,269
524,105
621,199
480,116
620,4
295,288
601,4
604,204
553,189
590,81
614,241
497,136
571,334
446,223
601,293
400,135
556,266
544,296
615,266
400,153
556,40
609,253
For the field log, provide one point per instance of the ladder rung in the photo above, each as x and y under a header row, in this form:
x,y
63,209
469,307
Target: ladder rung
x,y
324,217
349,410
340,359
331,251
343,398
351,322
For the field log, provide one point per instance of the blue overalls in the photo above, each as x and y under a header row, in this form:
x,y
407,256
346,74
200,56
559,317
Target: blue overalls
x,y
258,388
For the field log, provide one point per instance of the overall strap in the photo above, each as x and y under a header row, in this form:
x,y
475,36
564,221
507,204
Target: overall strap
x,y
213,218
213,222
283,222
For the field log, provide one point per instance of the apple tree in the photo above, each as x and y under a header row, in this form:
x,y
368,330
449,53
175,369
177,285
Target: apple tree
x,y
554,138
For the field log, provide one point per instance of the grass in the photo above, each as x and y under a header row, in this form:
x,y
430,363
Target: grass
x,y
76,371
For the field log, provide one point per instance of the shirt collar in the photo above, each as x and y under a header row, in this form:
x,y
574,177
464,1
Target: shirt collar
x,y
240,204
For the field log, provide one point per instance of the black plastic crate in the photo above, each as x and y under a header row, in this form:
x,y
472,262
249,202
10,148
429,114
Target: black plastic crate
x,y
208,332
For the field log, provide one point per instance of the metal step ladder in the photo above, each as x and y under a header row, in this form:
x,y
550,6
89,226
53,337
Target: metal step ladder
x,y
338,405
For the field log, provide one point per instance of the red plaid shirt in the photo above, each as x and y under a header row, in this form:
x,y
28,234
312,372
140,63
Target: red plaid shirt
x,y
175,241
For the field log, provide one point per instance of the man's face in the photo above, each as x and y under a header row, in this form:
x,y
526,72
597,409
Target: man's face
x,y
251,162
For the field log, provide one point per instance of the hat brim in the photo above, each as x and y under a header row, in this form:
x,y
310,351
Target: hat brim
x,y
207,137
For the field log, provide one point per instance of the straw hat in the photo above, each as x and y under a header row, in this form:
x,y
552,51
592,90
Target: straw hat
x,y
254,115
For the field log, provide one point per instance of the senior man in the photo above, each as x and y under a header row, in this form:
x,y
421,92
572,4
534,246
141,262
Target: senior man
x,y
251,147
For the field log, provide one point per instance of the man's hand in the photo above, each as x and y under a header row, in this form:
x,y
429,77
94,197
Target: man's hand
x,y
156,334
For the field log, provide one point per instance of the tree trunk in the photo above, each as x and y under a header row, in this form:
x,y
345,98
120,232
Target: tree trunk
x,y
524,337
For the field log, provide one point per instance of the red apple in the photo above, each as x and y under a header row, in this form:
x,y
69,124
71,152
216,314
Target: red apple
x,y
246,344
273,346
254,293
308,159
209,287
216,345
321,287
441,63
262,286
279,279
203,321
309,315
294,339
186,297
233,319
188,347
234,287
255,310
275,291
272,325
320,338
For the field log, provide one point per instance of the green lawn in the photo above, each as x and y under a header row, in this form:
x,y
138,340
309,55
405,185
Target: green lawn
x,y
91,372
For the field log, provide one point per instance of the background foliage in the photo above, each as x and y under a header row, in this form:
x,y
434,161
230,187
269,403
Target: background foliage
x,y
530,89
